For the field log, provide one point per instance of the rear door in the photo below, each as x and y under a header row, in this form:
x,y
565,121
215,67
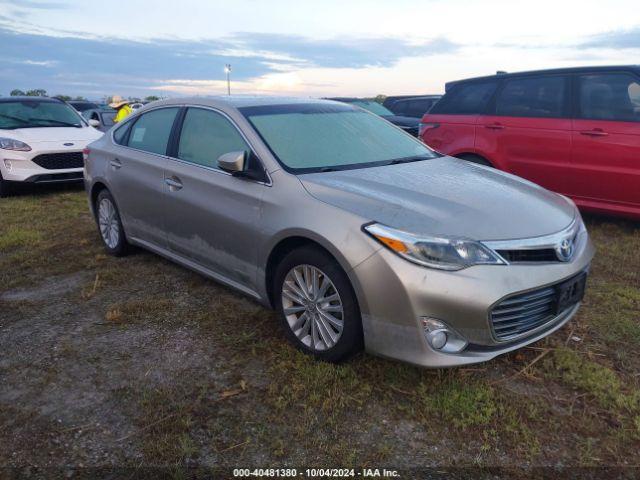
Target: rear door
x,y
136,173
450,125
212,216
529,130
606,140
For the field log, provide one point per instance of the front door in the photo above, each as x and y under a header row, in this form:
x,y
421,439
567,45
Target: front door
x,y
606,141
212,217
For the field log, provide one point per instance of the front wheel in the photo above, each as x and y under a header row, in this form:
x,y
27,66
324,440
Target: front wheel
x,y
6,189
110,225
317,305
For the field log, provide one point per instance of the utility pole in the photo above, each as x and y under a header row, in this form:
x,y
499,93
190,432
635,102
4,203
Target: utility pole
x,y
227,70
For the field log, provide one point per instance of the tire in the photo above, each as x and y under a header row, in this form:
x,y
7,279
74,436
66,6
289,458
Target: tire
x,y
109,225
470,157
306,323
6,188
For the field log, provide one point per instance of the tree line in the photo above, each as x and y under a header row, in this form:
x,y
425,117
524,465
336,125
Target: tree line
x,y
39,92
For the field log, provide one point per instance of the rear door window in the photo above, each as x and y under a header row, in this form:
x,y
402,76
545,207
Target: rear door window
x,y
542,97
466,98
609,96
151,131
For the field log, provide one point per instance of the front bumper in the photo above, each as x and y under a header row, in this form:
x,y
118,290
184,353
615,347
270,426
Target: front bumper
x,y
394,294
19,167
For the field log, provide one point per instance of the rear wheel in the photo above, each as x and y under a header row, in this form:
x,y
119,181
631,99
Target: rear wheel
x,y
110,225
470,157
317,306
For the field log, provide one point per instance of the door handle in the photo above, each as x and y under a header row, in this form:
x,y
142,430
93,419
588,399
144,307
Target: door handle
x,y
596,132
115,163
494,126
174,183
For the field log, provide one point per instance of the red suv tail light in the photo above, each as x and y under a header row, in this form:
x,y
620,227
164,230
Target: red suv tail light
x,y
423,127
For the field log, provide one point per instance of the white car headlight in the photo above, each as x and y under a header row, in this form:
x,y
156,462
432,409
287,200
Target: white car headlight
x,y
11,144
434,252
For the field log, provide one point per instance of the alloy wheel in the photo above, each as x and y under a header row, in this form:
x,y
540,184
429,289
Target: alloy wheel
x,y
108,222
312,306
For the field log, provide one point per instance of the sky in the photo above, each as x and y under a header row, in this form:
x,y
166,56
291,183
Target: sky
x,y
299,47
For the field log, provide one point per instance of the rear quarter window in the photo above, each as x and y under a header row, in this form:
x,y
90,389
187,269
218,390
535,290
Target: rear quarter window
x,y
466,98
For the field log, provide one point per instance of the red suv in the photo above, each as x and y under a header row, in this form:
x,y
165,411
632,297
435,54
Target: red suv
x,y
575,131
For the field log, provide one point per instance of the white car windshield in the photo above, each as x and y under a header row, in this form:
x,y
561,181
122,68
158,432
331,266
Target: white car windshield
x,y
329,136
37,113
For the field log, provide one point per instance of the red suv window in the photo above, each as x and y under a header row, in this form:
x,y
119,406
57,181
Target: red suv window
x,y
612,96
466,98
541,97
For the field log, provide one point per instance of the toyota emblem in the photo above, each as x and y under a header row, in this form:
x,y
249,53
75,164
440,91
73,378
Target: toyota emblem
x,y
564,251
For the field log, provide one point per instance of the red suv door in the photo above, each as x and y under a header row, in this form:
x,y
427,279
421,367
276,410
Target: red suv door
x,y
450,126
606,142
529,130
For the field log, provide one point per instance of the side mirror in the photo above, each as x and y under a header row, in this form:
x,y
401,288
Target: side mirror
x,y
232,162
94,123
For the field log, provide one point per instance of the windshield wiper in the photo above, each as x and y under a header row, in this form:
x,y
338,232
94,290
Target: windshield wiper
x,y
328,169
59,122
415,158
14,118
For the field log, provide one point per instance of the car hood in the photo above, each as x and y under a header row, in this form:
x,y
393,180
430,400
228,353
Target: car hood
x,y
445,196
52,134
402,121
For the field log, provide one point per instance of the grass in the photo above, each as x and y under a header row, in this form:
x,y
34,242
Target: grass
x,y
242,396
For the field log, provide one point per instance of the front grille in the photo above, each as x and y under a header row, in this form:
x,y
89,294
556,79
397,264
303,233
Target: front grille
x,y
58,161
529,255
523,312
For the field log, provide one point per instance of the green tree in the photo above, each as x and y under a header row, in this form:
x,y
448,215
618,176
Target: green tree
x,y
380,98
37,92
80,97
16,93
64,98
151,98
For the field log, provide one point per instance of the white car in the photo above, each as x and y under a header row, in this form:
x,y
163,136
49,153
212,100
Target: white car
x,y
41,141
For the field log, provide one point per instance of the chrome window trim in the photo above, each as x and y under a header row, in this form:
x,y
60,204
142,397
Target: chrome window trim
x,y
239,130
131,118
204,107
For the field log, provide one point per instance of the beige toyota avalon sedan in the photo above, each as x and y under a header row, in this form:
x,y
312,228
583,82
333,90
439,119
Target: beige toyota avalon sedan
x,y
358,234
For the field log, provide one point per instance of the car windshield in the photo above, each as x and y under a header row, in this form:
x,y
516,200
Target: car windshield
x,y
373,107
37,113
329,136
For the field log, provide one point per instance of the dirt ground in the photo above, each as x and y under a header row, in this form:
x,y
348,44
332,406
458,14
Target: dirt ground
x,y
138,366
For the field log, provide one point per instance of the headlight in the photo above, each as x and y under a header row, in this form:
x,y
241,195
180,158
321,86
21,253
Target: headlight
x,y
11,144
435,252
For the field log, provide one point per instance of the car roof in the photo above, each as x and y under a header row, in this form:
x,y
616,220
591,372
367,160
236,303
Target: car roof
x,y
411,97
234,102
601,68
416,97
23,98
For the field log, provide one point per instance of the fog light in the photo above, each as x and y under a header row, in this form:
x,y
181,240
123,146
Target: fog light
x,y
7,163
437,339
442,337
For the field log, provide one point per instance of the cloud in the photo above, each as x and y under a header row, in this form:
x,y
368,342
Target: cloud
x,y
40,63
135,67
618,39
